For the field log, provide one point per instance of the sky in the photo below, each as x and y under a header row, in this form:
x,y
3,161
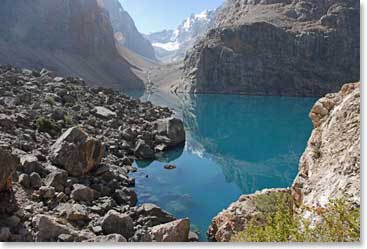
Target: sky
x,y
157,15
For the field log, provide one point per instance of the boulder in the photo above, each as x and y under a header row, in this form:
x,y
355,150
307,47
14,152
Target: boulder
x,y
76,152
36,180
171,128
154,214
48,228
116,223
83,193
175,231
8,165
125,196
143,151
57,179
104,113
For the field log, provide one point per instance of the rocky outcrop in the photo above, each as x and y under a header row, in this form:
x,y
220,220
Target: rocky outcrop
x,y
277,47
329,168
65,160
72,37
125,30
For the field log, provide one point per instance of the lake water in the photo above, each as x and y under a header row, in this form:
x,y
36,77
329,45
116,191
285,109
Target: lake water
x,y
235,145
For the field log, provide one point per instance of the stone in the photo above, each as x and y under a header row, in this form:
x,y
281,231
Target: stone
x,y
36,180
57,179
125,196
111,238
4,234
83,193
175,231
46,192
30,163
155,214
104,113
75,212
193,237
143,151
8,165
114,222
76,152
48,229
6,121
24,180
173,129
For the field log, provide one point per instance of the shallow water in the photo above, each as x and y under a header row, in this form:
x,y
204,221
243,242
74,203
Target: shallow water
x,y
235,145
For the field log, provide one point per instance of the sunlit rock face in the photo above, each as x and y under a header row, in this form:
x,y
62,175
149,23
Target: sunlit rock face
x,y
281,47
125,30
69,37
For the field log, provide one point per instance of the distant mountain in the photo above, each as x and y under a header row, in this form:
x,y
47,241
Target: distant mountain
x,y
171,45
125,30
70,37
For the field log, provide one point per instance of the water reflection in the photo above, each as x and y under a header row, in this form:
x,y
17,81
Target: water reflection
x,y
235,145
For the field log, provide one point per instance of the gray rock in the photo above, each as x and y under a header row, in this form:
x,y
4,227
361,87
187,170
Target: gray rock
x,y
111,238
114,222
48,229
154,214
171,128
143,151
125,196
76,152
24,180
47,192
175,231
104,113
36,180
4,234
8,165
57,179
83,193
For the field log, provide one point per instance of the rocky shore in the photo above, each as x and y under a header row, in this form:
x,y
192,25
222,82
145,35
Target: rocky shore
x,y
329,168
66,153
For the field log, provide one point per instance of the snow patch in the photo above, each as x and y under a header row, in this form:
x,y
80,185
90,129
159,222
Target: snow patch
x,y
169,46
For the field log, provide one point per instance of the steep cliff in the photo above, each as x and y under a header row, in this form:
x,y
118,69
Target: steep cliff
x,y
329,168
277,47
69,37
125,30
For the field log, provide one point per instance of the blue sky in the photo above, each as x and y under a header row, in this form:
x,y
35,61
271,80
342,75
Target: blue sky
x,y
156,15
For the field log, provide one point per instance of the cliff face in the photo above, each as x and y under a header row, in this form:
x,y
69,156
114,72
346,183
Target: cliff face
x,y
281,47
125,30
69,37
329,168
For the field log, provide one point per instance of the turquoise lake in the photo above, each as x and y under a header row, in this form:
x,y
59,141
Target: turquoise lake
x,y
235,145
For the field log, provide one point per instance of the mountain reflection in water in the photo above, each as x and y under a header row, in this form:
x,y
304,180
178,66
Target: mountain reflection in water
x,y
235,145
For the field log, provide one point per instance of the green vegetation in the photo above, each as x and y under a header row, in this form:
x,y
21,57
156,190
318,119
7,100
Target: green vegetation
x,y
338,222
45,125
68,119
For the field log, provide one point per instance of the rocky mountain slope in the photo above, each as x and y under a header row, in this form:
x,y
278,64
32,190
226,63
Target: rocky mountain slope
x,y
125,30
66,152
172,45
281,47
329,168
69,37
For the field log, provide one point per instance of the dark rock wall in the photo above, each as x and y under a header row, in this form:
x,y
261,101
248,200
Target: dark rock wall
x,y
295,48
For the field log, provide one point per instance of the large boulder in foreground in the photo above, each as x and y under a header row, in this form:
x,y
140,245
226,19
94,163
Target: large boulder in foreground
x,y
76,152
8,165
171,128
175,231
